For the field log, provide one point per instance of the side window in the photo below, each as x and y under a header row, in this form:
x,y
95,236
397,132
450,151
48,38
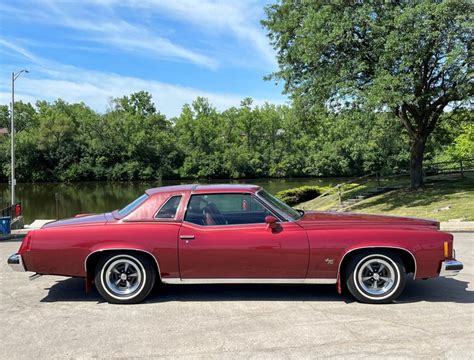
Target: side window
x,y
169,209
225,209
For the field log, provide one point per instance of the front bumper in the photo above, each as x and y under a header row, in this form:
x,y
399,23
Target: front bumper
x,y
16,262
450,268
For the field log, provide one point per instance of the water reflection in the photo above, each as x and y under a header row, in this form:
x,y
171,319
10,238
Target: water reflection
x,y
58,200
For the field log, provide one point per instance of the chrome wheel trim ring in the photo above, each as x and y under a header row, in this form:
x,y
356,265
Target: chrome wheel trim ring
x,y
121,290
387,287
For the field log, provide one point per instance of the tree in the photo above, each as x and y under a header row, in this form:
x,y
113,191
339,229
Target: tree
x,y
411,58
137,103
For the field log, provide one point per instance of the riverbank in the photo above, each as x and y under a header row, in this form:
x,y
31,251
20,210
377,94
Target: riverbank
x,y
446,198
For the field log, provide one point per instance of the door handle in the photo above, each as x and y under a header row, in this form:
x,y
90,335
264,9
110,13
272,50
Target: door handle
x,y
186,237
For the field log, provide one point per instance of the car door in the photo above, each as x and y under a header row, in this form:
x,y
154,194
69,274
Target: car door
x,y
225,236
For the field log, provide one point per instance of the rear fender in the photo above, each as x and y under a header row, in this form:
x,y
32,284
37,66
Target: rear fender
x,y
98,249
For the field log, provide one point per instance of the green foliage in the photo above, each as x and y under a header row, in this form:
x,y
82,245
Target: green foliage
x,y
463,146
298,195
374,86
133,141
455,138
413,58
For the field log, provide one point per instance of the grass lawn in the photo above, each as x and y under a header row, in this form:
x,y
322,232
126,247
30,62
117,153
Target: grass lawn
x,y
443,198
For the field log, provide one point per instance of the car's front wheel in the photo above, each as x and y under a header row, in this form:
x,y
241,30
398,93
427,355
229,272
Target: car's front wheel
x,y
124,278
376,277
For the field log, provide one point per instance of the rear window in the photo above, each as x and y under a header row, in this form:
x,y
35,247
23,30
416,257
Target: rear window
x,y
169,209
133,205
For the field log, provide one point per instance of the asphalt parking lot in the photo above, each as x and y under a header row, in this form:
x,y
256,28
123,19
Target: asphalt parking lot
x,y
52,317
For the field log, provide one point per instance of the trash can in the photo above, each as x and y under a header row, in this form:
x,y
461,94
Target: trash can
x,y
5,224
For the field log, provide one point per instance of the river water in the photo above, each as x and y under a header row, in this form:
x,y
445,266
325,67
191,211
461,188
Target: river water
x,y
59,200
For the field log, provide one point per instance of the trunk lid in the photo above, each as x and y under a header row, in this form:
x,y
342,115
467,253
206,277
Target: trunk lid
x,y
94,219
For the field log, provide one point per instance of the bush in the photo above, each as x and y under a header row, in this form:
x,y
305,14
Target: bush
x,y
300,194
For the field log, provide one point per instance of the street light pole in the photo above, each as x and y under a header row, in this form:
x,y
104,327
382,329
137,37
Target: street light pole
x,y
12,134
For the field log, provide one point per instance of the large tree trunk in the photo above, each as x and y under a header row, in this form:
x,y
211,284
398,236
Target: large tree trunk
x,y
416,161
419,123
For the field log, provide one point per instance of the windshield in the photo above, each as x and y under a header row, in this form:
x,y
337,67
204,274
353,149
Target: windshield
x,y
133,205
280,205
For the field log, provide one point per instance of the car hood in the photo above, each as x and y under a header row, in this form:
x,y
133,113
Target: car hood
x,y
78,221
334,219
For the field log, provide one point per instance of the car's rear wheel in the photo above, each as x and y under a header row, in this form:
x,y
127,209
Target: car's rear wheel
x,y
376,277
124,278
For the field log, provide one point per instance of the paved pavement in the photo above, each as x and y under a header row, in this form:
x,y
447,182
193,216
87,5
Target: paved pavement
x,y
51,317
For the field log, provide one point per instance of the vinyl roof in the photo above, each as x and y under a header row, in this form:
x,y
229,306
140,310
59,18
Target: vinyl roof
x,y
197,188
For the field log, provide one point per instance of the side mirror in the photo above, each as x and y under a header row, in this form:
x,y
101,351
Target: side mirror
x,y
272,222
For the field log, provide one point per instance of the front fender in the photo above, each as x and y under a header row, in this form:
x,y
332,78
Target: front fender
x,y
330,247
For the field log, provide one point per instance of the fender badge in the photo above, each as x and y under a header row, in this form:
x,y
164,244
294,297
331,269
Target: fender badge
x,y
329,261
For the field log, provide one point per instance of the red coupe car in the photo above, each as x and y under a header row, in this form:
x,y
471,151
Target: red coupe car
x,y
236,234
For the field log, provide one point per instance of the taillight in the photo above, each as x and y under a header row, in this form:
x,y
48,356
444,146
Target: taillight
x,y
26,243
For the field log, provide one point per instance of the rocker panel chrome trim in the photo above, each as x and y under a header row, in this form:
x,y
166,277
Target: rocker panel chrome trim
x,y
247,281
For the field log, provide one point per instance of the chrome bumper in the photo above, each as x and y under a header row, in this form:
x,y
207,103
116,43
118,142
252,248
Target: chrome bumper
x,y
16,262
450,268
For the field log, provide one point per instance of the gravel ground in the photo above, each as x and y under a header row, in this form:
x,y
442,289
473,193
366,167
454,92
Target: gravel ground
x,y
52,317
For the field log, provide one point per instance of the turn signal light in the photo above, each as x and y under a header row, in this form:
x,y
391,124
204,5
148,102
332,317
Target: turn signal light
x,y
446,249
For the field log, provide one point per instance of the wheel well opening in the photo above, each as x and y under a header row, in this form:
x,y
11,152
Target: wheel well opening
x,y
405,256
93,259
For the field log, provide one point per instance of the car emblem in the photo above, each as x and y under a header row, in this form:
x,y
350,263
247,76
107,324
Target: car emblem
x,y
329,261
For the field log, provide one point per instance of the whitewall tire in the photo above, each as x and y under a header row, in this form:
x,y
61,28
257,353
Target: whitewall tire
x,y
376,277
124,278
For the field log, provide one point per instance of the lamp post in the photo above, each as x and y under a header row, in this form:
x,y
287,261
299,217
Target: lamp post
x,y
12,133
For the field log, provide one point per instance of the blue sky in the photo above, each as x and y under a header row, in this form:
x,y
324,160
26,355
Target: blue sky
x,y
92,50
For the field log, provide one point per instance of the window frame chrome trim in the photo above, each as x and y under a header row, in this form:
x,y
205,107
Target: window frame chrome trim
x,y
164,203
258,199
282,214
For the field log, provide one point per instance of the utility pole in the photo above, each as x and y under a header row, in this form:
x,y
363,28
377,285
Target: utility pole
x,y
12,134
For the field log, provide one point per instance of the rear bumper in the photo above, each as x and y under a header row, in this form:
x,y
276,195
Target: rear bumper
x,y
16,262
450,268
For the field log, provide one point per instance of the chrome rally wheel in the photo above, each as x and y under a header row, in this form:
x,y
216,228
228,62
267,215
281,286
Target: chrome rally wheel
x,y
376,277
124,278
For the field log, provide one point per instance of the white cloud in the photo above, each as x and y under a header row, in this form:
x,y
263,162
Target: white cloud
x,y
20,51
50,80
114,31
103,21
235,17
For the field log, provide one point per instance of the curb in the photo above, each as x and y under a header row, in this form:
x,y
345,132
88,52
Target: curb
x,y
457,226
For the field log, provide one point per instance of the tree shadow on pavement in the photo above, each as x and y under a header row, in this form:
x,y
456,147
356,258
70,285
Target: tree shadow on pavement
x,y
434,290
